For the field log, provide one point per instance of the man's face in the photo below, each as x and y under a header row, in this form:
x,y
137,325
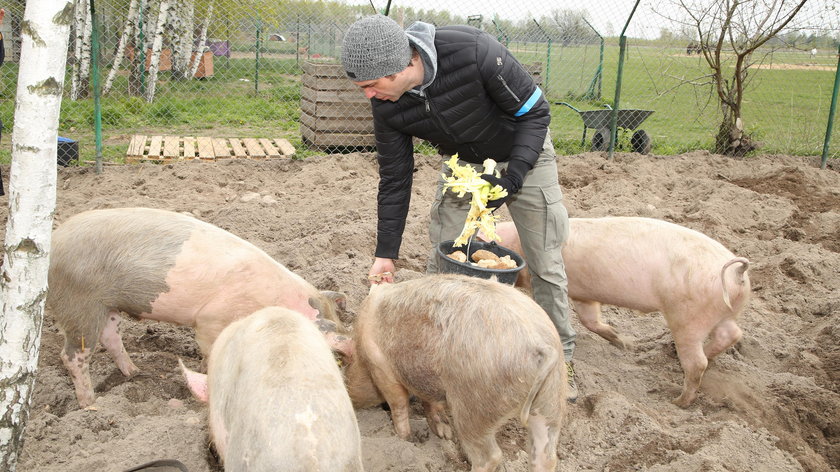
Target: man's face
x,y
390,87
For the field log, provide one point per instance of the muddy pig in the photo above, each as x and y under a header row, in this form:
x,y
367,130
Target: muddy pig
x,y
164,266
651,265
276,398
482,348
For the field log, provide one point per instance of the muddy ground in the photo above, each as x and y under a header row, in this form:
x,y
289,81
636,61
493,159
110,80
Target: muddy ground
x,y
771,403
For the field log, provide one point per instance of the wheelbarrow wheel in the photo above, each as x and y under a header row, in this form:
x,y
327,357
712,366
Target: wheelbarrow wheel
x,y
640,142
601,140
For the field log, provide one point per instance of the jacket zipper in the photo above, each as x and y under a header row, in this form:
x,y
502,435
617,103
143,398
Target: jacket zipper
x,y
436,119
508,88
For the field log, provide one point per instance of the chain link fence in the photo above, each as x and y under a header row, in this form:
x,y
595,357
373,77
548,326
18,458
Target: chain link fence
x,y
260,69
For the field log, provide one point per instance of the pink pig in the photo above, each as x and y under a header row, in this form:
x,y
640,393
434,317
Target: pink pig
x,y
479,348
652,265
276,397
164,266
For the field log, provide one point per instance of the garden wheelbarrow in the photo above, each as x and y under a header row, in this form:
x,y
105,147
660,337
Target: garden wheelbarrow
x,y
599,120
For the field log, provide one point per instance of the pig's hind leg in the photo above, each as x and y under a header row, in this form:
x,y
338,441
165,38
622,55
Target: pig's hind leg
x,y
436,417
545,419
111,339
476,427
689,343
543,434
723,336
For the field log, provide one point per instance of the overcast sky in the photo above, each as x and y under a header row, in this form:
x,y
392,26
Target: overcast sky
x,y
607,16
601,12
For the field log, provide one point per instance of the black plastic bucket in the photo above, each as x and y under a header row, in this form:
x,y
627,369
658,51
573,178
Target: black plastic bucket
x,y
67,152
451,266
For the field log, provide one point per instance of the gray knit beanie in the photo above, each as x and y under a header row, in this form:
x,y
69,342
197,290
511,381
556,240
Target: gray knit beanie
x,y
374,47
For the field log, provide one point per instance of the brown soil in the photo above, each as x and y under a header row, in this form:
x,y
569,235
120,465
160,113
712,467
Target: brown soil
x,y
771,403
795,67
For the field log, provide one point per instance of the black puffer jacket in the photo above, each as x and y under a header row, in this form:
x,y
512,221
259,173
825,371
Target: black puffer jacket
x,y
482,104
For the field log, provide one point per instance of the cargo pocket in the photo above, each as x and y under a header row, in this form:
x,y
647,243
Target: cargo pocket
x,y
556,218
435,215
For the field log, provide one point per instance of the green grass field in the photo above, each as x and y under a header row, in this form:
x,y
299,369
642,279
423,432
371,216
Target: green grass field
x,y
786,107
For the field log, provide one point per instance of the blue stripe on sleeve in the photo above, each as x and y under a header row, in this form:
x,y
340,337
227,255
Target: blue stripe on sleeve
x,y
530,103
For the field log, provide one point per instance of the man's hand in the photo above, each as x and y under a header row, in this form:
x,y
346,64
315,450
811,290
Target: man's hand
x,y
2,14
382,271
510,183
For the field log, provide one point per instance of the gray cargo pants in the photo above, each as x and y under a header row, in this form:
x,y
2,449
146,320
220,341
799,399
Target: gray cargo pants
x,y
543,226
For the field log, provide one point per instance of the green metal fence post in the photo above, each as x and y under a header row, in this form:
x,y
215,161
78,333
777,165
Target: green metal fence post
x,y
831,111
548,67
502,34
97,90
596,79
547,59
600,72
257,60
622,45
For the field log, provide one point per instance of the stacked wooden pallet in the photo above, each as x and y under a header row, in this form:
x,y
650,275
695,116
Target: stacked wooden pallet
x,y
178,148
334,112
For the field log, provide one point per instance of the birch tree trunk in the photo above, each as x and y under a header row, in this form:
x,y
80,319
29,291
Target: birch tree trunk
x,y
157,45
79,15
202,40
180,28
32,190
82,49
87,50
128,29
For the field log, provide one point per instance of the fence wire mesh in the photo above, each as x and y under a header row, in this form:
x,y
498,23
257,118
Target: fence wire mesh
x,y
261,69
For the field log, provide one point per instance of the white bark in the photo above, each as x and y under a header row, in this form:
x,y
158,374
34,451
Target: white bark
x,y
157,45
199,50
181,36
79,16
128,29
87,51
32,188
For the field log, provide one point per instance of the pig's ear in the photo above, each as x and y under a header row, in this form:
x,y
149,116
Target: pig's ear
x,y
338,298
197,382
345,346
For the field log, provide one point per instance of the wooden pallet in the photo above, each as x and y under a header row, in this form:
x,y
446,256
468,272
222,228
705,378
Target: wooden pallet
x,y
180,148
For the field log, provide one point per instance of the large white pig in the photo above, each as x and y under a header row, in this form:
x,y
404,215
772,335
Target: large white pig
x,y
651,265
277,400
164,266
482,348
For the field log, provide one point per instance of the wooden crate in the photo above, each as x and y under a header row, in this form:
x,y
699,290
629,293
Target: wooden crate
x,y
334,112
180,148
205,65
